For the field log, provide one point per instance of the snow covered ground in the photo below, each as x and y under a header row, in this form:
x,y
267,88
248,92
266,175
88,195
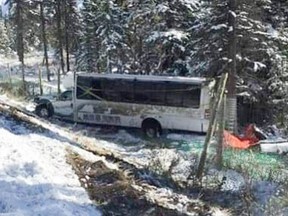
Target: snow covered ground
x,y
35,178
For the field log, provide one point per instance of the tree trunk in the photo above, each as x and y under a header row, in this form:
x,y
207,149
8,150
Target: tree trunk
x,y
108,63
67,23
58,80
220,138
20,40
59,35
231,84
44,38
212,124
40,80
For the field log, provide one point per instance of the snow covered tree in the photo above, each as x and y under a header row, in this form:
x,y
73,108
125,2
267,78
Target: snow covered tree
x,y
4,39
71,23
260,52
157,35
209,39
24,21
102,36
88,52
58,4
110,32
213,47
44,36
259,49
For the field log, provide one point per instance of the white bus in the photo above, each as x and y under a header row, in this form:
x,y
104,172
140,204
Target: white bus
x,y
152,103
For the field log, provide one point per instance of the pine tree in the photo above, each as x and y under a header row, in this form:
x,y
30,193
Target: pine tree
x,y
71,23
157,35
110,32
58,4
24,20
209,39
88,52
4,39
44,36
102,36
260,50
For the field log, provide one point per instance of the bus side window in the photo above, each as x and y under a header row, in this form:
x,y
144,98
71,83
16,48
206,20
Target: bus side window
x,y
157,95
142,92
191,96
111,91
96,91
174,93
83,84
89,89
126,89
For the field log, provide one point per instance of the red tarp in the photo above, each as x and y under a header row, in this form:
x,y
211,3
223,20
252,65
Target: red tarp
x,y
249,139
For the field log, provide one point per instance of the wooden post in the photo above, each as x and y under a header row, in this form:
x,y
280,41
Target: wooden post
x,y
58,80
40,80
212,124
220,138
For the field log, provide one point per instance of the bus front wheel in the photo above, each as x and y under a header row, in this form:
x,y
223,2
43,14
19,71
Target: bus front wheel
x,y
44,111
151,128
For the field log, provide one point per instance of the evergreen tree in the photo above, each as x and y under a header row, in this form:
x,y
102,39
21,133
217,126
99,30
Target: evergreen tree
x,y
24,22
110,32
88,53
158,34
44,36
102,36
58,6
71,23
258,50
4,39
209,39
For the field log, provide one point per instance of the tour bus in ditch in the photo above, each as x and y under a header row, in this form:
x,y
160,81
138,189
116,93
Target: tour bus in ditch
x,y
152,103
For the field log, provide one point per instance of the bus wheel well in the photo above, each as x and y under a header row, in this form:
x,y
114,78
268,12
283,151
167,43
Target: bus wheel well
x,y
44,110
151,127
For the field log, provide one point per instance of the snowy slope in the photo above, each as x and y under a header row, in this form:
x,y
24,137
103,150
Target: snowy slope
x,y
35,178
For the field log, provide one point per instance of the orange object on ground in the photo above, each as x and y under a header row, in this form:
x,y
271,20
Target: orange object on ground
x,y
235,142
249,139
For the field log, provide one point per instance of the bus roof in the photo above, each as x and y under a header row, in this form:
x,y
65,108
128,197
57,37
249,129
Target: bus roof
x,y
194,80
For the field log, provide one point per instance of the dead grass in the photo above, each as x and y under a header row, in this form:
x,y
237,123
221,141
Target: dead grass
x,y
113,191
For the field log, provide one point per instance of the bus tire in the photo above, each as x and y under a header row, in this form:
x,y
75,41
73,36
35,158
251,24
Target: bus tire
x,y
151,128
44,111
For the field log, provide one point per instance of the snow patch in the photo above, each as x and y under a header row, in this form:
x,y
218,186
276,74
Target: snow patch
x,y
258,66
35,178
220,26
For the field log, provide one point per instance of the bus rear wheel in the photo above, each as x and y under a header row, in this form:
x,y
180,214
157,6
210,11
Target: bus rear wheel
x,y
151,128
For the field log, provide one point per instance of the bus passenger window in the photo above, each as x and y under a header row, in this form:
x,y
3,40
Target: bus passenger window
x,y
83,85
174,92
192,96
111,90
96,91
142,92
157,95
126,89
